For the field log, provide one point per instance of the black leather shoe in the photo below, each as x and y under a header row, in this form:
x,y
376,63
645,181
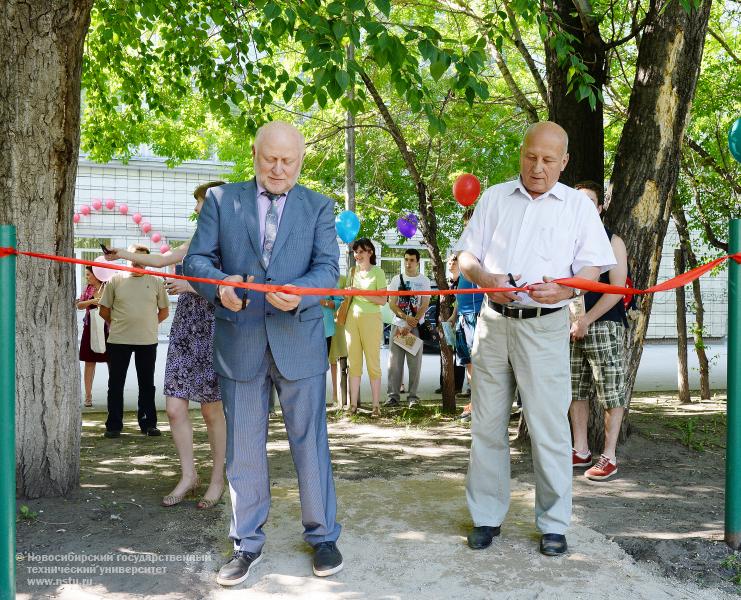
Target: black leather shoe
x,y
153,432
553,544
327,559
481,537
112,434
238,568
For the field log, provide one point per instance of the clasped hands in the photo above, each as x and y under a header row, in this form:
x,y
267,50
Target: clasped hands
x,y
547,292
280,300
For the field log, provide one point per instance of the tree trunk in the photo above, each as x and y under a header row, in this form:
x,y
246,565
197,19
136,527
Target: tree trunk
x,y
648,154
428,225
683,383
698,332
596,424
41,45
350,187
583,125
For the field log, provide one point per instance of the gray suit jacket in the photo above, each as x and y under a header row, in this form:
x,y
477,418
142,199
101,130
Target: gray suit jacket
x,y
306,254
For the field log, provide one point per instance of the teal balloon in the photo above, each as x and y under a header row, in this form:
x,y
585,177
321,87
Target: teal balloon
x,y
734,139
347,225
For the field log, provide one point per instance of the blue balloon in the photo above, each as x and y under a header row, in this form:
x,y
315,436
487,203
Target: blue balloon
x,y
734,139
347,225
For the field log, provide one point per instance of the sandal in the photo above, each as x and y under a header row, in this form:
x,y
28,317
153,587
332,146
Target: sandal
x,y
88,401
206,503
172,500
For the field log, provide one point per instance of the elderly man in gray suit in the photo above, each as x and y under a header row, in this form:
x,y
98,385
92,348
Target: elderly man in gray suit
x,y
272,231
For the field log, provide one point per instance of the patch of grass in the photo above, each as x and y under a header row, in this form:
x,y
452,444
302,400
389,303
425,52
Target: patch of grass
x,y
733,563
26,514
420,415
698,430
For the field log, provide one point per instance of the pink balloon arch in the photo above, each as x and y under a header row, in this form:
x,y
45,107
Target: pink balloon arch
x,y
109,205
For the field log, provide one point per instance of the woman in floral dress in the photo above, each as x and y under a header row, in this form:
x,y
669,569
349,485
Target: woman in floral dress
x,y
189,375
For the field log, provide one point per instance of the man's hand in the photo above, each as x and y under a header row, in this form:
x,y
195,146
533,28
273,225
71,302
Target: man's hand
x,y
283,301
228,294
549,292
114,254
411,321
493,280
402,331
579,329
175,287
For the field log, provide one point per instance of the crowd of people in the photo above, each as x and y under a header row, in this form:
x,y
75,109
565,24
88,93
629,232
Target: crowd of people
x,y
232,351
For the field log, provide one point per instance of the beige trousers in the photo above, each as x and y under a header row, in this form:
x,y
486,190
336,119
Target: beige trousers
x,y
534,355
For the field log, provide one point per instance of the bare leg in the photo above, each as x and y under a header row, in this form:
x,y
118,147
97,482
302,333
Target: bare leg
x,y
333,372
613,420
89,376
213,416
579,413
182,435
354,392
376,393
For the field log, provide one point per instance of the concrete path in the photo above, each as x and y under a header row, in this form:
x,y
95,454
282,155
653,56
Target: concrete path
x,y
403,539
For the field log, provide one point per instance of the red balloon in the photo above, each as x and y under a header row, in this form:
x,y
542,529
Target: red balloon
x,y
466,189
137,218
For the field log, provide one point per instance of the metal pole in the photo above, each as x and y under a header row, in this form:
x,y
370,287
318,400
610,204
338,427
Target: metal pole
x,y
733,426
7,415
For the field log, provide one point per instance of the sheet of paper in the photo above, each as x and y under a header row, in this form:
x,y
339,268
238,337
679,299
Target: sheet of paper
x,y
409,342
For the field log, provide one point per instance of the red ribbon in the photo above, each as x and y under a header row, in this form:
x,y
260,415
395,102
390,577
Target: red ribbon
x,y
573,282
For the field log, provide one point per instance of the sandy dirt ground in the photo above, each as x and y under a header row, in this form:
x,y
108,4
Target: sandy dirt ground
x,y
654,532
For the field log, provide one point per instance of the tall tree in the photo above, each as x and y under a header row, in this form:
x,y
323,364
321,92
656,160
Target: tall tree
x,y
648,156
41,45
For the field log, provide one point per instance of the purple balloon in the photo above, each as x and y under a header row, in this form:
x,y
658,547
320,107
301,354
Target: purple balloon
x,y
407,226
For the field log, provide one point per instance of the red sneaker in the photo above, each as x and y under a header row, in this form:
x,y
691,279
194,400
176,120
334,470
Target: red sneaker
x,y
604,469
580,461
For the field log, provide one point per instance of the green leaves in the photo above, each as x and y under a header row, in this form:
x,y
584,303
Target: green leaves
x,y
384,6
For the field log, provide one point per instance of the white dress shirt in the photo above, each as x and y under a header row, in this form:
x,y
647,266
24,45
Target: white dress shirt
x,y
554,235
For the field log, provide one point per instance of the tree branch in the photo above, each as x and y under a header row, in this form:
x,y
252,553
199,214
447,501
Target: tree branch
x,y
519,96
636,28
709,233
710,162
525,53
726,47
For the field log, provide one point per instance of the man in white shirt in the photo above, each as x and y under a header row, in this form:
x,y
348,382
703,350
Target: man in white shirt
x,y
409,314
533,229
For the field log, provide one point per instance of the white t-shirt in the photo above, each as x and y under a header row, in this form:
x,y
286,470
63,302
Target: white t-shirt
x,y
409,304
554,235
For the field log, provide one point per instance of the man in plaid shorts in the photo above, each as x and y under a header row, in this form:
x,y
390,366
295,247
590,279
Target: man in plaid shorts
x,y
597,339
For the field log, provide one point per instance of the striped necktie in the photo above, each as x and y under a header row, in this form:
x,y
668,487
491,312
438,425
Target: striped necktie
x,y
271,227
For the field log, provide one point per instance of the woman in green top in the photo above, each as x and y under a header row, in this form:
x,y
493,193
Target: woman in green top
x,y
364,326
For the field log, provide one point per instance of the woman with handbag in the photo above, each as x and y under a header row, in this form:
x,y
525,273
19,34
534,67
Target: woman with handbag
x,y
363,324
89,302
